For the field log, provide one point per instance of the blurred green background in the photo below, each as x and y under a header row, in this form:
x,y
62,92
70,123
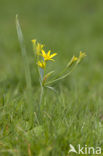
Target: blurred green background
x,y
65,27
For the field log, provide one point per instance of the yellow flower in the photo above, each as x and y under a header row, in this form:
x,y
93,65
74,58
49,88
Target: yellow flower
x,y
41,64
34,44
81,56
47,56
39,47
74,59
33,41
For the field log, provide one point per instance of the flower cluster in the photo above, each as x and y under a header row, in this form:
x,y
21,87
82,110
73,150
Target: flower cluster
x,y
43,57
76,59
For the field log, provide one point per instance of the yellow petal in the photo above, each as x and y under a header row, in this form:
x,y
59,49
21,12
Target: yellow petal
x,y
49,52
52,59
41,64
82,54
33,41
74,59
43,53
42,46
51,56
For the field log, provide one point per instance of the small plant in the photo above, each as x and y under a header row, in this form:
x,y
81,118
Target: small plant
x,y
42,59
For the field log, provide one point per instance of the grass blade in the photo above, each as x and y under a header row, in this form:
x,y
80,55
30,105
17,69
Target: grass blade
x,y
24,54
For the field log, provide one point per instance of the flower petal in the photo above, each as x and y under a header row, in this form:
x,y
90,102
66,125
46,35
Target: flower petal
x,y
43,53
51,56
49,52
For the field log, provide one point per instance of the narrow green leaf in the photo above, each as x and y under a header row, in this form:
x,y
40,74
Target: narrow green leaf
x,y
24,54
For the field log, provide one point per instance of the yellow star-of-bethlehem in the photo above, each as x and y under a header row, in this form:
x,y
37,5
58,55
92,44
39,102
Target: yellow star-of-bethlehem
x,y
47,56
39,47
82,54
41,64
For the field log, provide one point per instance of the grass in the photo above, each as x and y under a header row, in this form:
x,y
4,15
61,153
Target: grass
x,y
73,115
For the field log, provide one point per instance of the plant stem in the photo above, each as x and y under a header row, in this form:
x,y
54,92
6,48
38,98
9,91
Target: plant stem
x,y
62,77
41,95
24,54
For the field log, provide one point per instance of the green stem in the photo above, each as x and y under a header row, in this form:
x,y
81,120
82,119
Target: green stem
x,y
61,73
24,54
41,95
40,102
62,77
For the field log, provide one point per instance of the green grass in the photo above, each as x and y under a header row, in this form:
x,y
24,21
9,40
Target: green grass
x,y
73,115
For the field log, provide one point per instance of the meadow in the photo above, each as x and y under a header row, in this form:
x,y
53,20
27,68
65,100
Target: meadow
x,y
74,113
